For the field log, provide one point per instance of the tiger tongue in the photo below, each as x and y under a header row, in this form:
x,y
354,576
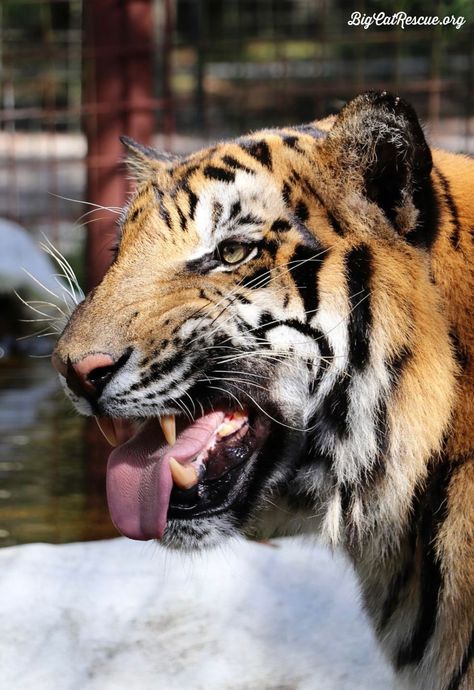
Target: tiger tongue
x,y
139,480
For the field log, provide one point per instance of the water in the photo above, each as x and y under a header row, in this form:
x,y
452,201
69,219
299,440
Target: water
x,y
52,462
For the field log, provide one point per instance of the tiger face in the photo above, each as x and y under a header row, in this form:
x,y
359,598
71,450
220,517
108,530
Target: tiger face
x,y
270,326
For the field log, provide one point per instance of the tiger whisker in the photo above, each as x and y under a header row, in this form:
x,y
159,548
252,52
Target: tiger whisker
x,y
49,319
63,263
115,209
250,383
48,304
186,393
36,334
246,373
223,390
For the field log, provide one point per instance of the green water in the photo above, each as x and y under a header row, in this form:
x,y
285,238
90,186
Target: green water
x,y
52,462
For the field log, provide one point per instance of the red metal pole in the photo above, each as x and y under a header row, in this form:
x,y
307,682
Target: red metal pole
x,y
118,58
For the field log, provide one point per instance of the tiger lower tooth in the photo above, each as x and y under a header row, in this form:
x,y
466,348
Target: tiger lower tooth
x,y
184,476
168,426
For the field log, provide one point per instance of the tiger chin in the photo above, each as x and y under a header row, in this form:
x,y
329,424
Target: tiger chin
x,y
286,327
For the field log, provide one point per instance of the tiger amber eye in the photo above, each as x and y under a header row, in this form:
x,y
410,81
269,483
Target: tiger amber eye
x,y
232,253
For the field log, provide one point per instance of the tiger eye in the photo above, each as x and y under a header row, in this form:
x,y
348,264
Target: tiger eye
x,y
233,252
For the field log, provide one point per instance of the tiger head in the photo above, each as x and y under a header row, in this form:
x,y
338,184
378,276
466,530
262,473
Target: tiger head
x,y
270,325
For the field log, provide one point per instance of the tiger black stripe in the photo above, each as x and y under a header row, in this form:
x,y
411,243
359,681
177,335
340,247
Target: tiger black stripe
x,y
212,172
157,369
295,176
235,209
304,268
280,225
182,219
453,209
217,211
301,211
431,512
345,494
335,225
426,201
250,219
236,165
406,568
203,264
358,265
290,141
241,298
268,323
135,214
459,676
377,469
460,351
397,365
335,407
165,215
332,220
270,246
286,193
193,200
260,151
257,280
187,174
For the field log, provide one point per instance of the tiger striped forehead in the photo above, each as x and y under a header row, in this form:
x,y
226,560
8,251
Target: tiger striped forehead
x,y
257,189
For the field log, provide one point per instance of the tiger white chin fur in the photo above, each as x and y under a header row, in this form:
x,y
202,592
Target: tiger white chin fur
x,y
298,303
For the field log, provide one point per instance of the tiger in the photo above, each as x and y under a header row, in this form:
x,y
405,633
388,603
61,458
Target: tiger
x,y
287,326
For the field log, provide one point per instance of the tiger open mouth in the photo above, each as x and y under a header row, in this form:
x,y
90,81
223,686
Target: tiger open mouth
x,y
173,469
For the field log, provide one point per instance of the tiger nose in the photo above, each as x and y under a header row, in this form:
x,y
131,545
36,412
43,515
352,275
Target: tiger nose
x,y
89,376
94,371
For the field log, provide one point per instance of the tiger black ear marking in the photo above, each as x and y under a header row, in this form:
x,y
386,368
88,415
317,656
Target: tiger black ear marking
x,y
379,136
145,162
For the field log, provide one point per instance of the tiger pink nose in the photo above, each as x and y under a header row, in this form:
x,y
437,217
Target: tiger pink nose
x,y
89,374
94,370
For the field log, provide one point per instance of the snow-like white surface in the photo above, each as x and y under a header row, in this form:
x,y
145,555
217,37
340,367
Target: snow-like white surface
x,y
122,615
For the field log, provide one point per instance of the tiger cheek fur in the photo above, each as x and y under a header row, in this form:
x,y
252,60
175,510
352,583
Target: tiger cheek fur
x,y
308,290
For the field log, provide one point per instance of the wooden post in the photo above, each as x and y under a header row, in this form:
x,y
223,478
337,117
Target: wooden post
x,y
118,58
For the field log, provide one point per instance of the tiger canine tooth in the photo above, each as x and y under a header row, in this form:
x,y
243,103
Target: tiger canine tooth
x,y
107,429
168,426
225,429
184,476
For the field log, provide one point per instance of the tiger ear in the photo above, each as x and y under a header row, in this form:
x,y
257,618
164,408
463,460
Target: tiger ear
x,y
377,137
144,162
